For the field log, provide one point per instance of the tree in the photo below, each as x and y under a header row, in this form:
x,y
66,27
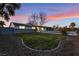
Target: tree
x,y
2,23
8,9
64,31
33,20
43,18
38,19
72,25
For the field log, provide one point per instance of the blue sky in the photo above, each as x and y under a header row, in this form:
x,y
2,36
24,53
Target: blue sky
x,y
57,13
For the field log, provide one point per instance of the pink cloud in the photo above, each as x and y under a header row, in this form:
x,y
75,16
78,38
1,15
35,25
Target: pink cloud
x,y
19,17
69,14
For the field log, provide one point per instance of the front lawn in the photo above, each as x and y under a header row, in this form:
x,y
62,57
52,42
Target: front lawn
x,y
41,40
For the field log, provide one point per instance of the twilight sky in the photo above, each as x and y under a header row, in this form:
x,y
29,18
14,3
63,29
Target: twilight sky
x,y
61,14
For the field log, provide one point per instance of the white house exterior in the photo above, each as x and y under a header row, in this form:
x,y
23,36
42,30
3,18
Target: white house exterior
x,y
26,26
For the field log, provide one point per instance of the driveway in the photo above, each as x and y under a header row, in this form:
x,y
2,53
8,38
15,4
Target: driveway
x,y
71,46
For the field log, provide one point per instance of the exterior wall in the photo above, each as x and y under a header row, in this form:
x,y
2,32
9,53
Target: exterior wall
x,y
44,29
28,27
12,25
47,29
10,31
16,27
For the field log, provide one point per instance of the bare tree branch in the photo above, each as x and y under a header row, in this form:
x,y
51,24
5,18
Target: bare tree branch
x,y
38,19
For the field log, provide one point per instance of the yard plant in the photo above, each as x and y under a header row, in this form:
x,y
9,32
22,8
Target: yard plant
x,y
41,41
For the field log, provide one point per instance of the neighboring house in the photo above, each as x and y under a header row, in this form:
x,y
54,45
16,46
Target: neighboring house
x,y
72,33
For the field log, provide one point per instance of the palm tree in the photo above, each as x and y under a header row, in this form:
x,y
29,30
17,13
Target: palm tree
x,y
2,23
72,25
8,9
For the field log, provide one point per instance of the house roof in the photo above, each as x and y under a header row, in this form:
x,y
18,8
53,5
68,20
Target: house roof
x,y
21,24
43,26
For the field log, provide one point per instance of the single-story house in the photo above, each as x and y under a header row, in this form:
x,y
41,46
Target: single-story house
x,y
26,26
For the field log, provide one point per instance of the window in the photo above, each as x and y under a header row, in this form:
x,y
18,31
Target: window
x,y
21,27
33,27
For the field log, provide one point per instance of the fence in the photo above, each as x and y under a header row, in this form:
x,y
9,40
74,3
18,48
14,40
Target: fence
x,y
7,31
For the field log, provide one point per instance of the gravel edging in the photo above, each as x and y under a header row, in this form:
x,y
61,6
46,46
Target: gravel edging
x,y
40,50
35,52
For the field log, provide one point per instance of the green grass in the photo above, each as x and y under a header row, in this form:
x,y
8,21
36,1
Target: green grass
x,y
41,41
